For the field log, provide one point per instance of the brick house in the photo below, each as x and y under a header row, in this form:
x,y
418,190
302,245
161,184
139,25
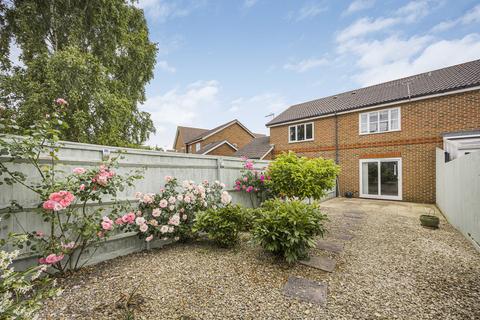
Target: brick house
x,y
384,136
223,140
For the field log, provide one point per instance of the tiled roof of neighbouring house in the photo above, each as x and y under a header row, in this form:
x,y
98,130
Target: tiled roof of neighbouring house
x,y
456,77
188,133
212,145
256,149
211,131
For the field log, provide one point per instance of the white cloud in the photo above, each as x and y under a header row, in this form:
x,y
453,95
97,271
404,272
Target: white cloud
x,y
163,65
14,55
307,11
362,27
252,111
472,16
305,65
249,3
359,5
163,10
427,54
180,107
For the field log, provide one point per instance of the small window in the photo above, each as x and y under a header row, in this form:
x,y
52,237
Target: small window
x,y
309,131
197,147
380,121
301,132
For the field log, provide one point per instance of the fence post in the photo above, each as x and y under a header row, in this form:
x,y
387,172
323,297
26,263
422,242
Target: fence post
x,y
219,168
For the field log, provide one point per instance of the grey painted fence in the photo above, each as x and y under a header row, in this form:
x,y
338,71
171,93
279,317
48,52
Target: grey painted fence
x,y
458,193
156,165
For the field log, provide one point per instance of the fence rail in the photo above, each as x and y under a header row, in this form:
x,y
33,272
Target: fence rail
x,y
156,165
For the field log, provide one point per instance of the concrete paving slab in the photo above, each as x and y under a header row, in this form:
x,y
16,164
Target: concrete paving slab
x,y
320,262
306,290
330,246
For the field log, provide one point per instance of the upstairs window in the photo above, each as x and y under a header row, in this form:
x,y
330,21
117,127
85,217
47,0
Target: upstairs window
x,y
380,121
300,132
197,147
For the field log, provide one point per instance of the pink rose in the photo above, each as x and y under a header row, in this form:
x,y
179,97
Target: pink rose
x,y
61,102
156,212
39,233
51,259
187,199
249,189
128,218
144,227
119,221
79,170
168,178
68,246
164,229
172,200
139,221
149,238
174,220
107,225
163,203
102,180
82,187
245,179
172,207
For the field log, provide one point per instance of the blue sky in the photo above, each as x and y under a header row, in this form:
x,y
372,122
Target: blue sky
x,y
225,59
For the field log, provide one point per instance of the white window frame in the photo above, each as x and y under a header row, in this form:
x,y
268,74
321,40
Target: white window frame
x,y
197,147
378,121
364,194
304,130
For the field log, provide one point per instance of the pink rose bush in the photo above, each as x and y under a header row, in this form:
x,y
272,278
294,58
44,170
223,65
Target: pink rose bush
x,y
77,226
253,181
170,213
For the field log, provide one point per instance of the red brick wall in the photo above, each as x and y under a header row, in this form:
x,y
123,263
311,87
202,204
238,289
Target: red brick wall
x,y
234,134
422,123
223,150
179,144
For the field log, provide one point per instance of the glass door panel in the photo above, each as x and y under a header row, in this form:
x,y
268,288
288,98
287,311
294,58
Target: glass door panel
x,y
370,177
389,178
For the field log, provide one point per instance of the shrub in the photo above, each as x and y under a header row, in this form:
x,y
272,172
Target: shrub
x,y
253,182
222,225
170,214
288,228
300,177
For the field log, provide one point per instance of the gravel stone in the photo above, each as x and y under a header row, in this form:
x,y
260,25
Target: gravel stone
x,y
392,269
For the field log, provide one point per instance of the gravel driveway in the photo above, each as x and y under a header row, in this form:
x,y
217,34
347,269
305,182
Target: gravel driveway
x,y
391,269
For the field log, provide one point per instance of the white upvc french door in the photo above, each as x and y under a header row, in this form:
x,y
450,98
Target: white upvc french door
x,y
381,178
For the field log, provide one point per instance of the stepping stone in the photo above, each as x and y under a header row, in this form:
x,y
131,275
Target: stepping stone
x,y
306,290
353,216
320,262
330,246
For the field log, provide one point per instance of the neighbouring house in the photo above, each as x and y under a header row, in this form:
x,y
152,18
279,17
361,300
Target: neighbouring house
x,y
224,140
457,144
384,136
259,148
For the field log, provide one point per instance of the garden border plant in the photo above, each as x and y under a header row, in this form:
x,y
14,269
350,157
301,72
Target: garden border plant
x,y
73,226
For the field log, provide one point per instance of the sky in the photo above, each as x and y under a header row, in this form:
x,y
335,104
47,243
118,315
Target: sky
x,y
246,59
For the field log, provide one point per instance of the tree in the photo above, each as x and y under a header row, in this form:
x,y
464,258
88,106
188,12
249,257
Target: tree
x,y
94,54
293,176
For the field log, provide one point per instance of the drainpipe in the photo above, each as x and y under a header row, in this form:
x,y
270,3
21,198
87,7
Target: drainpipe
x,y
337,160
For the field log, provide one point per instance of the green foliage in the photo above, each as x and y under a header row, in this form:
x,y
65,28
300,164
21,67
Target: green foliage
x,y
300,177
22,292
73,226
288,228
95,54
222,225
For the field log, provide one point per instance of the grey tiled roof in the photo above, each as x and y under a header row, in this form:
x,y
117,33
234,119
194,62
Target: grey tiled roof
x,y
188,133
255,149
456,77
207,132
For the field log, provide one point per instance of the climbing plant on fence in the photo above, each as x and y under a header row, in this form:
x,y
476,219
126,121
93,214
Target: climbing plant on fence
x,y
73,226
